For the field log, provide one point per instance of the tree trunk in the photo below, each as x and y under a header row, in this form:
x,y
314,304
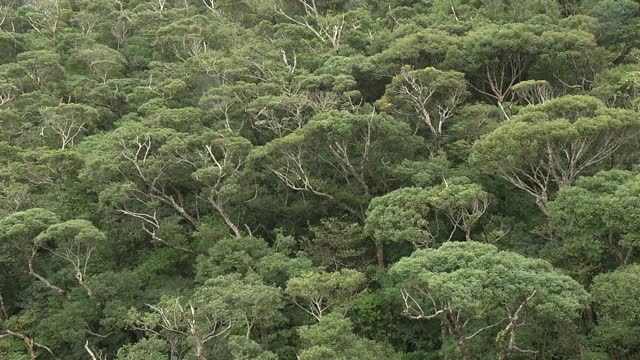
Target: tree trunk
x,y
380,253
200,350
3,309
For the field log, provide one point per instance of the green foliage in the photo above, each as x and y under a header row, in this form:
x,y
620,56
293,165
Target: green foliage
x,y
321,291
242,348
433,95
26,225
335,244
152,349
596,221
401,215
553,143
235,179
614,297
332,338
488,291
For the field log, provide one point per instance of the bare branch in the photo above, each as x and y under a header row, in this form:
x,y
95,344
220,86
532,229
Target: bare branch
x,y
40,278
93,354
30,344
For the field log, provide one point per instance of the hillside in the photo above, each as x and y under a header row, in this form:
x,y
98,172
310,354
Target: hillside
x,y
319,179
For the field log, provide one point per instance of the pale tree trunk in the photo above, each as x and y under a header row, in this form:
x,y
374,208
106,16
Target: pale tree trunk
x,y
200,350
505,352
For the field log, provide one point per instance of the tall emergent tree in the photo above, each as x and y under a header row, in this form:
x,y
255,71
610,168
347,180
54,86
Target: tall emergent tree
x,y
546,147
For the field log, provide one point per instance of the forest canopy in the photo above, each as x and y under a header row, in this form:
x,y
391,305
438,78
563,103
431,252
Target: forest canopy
x,y
319,179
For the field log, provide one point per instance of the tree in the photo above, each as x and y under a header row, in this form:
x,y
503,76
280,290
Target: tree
x,y
322,291
617,310
14,196
296,101
533,92
419,49
401,216
19,231
335,245
595,221
551,144
498,57
31,345
474,289
221,163
69,121
345,145
333,338
15,193
251,256
433,95
163,168
462,202
618,26
572,58
228,102
35,69
120,28
619,86
252,304
42,170
326,28
8,93
471,122
103,62
242,348
151,349
190,324
188,37
44,15
73,241
144,186
88,17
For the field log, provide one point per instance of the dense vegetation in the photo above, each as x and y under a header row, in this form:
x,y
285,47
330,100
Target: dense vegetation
x,y
319,179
